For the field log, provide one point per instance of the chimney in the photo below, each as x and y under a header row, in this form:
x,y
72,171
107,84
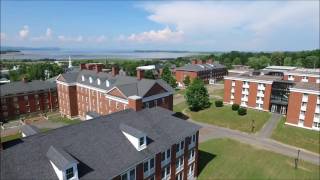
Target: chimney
x,y
115,70
194,61
140,74
200,61
135,102
83,66
98,67
210,61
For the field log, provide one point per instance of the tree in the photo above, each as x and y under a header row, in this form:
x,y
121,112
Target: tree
x,y
197,95
167,76
287,61
298,62
254,62
236,61
277,58
14,75
186,81
311,62
149,74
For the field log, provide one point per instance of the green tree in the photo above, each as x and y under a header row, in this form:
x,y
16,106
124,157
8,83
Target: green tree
x,y
253,62
298,62
277,58
236,61
186,81
149,74
167,76
197,95
311,62
287,61
264,61
14,75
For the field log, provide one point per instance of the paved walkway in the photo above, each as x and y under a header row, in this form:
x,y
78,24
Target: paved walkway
x,y
209,131
271,124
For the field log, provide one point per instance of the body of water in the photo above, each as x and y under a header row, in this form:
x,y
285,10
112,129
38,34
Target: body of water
x,y
92,54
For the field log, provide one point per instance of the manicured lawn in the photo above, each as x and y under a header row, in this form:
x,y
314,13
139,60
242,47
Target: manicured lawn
x,y
225,117
11,137
218,92
180,91
229,159
64,120
303,138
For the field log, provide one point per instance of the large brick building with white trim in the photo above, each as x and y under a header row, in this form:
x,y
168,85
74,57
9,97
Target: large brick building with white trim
x,y
91,90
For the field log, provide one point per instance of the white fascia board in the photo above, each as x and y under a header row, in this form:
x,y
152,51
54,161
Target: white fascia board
x,y
249,80
304,91
157,96
117,99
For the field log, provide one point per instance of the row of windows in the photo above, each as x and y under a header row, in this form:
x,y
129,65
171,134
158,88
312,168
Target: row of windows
x,y
83,78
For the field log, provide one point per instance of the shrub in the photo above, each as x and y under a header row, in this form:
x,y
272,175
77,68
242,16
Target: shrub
x,y
242,111
218,103
235,107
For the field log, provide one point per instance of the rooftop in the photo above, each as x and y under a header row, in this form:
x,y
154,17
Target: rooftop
x,y
98,145
253,77
128,85
200,67
307,86
25,87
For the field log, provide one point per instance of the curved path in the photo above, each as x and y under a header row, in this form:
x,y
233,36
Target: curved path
x,y
209,131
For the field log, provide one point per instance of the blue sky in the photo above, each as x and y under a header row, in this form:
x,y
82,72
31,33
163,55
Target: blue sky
x,y
166,25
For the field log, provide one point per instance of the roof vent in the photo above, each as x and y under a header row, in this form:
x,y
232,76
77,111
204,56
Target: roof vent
x,y
83,78
107,83
98,81
137,138
90,79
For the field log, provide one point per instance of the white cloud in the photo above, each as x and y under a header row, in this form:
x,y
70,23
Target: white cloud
x,y
46,37
3,36
164,35
239,23
24,32
70,39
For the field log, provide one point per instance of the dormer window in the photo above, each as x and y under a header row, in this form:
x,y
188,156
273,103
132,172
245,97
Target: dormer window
x,y
141,141
83,78
69,173
137,138
98,81
107,83
90,79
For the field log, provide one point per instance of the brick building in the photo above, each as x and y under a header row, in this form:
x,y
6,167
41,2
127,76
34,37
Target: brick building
x,y
149,144
249,91
303,75
208,71
91,90
24,97
298,100
304,106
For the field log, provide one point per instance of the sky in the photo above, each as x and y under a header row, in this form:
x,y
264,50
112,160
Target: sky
x,y
162,25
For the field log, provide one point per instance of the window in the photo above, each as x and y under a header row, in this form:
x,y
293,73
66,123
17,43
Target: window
x,y
98,81
165,172
179,163
107,83
132,175
141,141
124,177
151,163
83,78
90,79
168,153
194,138
182,145
146,166
191,154
69,173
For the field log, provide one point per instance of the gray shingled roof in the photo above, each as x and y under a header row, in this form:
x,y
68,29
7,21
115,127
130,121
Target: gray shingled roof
x,y
60,157
97,144
127,84
200,67
22,87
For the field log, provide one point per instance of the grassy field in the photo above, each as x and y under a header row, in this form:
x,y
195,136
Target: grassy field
x,y
218,92
303,138
229,159
11,137
225,117
59,119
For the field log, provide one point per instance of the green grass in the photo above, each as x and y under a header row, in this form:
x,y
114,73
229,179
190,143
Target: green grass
x,y
59,119
11,137
303,138
218,92
180,91
225,117
229,159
